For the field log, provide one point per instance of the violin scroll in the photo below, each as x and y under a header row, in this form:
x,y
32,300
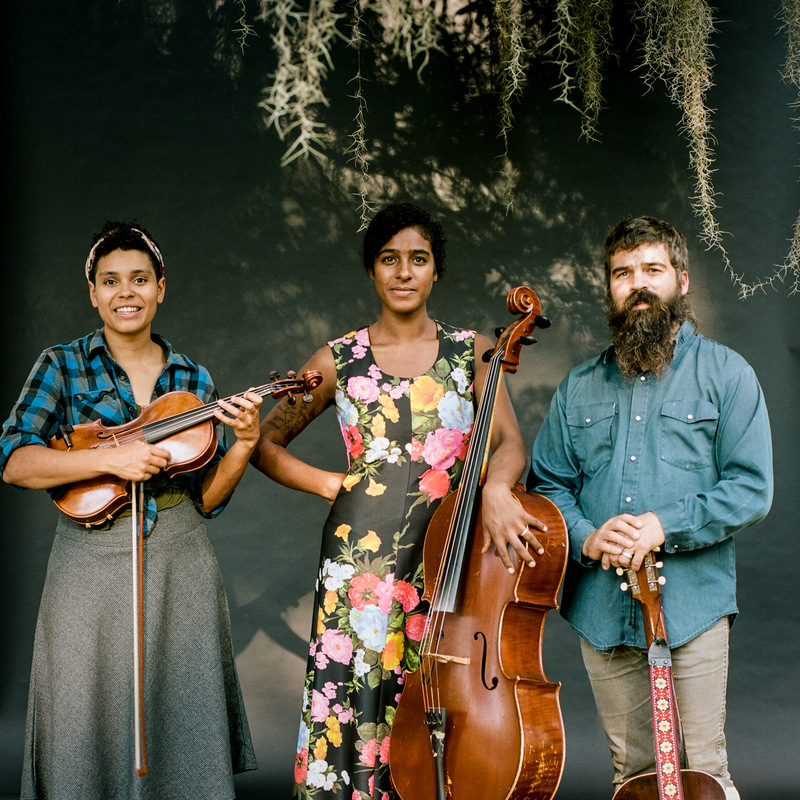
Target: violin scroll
x,y
290,385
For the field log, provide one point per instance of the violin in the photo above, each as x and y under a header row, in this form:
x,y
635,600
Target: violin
x,y
670,781
177,421
478,720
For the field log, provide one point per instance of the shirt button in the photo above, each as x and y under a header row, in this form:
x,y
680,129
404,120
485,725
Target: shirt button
x,y
588,420
690,416
633,458
638,418
628,499
642,378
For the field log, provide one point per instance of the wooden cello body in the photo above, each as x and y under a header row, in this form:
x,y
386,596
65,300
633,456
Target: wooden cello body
x,y
479,720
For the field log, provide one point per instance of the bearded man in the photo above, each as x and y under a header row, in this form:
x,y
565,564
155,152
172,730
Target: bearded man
x,y
662,441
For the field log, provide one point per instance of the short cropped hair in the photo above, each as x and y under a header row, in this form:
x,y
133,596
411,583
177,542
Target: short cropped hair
x,y
123,236
394,218
633,232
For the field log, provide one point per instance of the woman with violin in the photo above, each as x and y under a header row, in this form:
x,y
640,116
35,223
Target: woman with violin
x,y
80,732
404,388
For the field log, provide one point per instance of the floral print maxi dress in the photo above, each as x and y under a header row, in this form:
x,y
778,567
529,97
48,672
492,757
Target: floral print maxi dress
x,y
406,439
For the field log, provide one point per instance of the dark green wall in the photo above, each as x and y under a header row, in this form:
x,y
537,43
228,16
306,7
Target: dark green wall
x,y
262,268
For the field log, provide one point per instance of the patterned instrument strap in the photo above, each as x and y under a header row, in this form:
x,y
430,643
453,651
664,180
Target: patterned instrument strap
x,y
664,721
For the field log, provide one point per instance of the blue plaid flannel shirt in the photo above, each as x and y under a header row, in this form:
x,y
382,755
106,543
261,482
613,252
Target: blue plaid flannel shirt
x,y
80,382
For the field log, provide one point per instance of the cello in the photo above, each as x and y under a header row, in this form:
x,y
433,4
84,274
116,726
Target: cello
x,y
670,781
478,719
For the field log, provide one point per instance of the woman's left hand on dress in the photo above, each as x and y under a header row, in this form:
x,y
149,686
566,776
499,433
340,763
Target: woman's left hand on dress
x,y
507,525
242,414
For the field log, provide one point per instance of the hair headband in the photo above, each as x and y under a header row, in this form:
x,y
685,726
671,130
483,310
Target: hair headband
x,y
152,246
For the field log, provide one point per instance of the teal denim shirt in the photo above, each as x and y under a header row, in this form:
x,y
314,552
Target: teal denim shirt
x,y
693,446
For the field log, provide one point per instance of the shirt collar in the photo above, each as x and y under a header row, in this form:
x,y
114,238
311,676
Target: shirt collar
x,y
97,341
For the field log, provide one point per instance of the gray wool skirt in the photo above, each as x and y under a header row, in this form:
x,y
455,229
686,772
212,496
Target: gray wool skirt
x,y
79,739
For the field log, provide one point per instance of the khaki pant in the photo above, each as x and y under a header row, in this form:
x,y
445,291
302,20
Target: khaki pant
x,y
621,686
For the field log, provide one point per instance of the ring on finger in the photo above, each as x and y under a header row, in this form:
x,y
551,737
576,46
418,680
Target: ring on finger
x,y
628,554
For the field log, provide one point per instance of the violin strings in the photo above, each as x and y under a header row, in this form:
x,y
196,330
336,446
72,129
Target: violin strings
x,y
187,419
163,428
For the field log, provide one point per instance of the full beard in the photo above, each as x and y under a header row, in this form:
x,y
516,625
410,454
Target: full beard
x,y
643,338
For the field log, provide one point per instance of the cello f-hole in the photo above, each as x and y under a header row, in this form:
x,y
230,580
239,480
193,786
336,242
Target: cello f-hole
x,y
483,662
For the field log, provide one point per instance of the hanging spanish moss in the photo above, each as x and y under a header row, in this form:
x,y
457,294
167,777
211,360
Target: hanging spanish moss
x,y
302,42
582,43
495,42
789,271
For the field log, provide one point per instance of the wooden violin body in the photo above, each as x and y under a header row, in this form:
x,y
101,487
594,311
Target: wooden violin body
x,y
178,422
504,729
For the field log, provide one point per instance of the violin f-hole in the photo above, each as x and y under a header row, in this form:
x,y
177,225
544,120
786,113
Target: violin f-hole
x,y
483,662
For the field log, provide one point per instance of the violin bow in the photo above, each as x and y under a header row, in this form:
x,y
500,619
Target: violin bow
x,y
137,574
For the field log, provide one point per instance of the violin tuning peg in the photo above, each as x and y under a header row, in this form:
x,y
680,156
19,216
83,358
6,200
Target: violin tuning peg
x,y
620,571
542,322
290,399
487,356
274,375
527,340
498,332
659,564
661,580
307,398
624,586
291,374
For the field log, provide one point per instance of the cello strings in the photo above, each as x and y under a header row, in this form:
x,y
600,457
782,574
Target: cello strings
x,y
460,524
459,528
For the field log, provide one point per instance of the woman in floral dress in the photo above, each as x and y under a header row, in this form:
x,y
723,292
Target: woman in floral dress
x,y
404,390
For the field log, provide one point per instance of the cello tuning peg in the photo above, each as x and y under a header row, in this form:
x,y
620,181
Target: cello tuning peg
x,y
487,356
498,332
542,322
527,340
659,564
624,586
291,374
620,571
307,398
274,375
661,580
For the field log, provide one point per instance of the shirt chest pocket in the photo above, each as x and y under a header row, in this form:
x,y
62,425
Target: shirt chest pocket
x,y
688,429
95,404
591,429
